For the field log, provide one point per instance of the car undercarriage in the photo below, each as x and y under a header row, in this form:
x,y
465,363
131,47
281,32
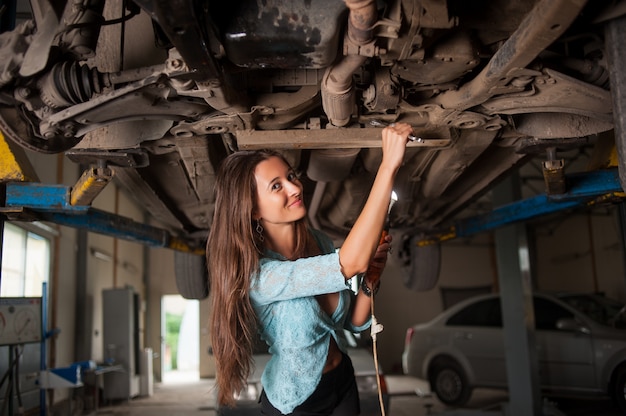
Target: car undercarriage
x,y
161,92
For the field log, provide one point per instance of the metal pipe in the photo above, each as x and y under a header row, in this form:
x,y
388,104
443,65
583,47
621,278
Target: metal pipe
x,y
363,15
337,89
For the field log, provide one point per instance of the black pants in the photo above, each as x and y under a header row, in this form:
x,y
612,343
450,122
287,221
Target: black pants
x,y
335,395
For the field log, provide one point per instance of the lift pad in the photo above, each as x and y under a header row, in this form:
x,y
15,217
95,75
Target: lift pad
x,y
90,184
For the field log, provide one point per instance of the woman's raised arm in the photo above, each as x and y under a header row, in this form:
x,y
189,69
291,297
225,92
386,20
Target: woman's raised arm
x,y
362,240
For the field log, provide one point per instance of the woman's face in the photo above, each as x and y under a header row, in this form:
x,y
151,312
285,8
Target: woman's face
x,y
279,193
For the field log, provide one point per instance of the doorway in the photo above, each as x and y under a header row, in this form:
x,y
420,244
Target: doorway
x,y
180,326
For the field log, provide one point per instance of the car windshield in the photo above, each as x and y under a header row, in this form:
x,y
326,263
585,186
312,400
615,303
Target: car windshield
x,y
603,310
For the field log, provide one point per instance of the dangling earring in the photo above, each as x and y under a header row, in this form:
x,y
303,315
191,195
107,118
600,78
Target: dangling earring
x,y
259,230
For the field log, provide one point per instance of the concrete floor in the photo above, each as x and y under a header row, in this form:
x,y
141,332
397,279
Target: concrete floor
x,y
178,396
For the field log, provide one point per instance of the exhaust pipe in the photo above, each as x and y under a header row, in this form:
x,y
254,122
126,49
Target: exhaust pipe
x,y
338,98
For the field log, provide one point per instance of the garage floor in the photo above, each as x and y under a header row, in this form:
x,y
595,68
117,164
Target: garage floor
x,y
185,398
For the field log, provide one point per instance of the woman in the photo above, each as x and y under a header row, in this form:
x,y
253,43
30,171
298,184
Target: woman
x,y
272,273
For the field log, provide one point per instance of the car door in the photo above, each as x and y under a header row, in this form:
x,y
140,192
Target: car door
x,y
565,357
476,332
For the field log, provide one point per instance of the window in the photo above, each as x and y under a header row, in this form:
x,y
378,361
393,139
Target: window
x,y
601,309
482,313
547,313
25,262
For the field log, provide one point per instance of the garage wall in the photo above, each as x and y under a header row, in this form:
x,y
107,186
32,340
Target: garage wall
x,y
113,263
582,252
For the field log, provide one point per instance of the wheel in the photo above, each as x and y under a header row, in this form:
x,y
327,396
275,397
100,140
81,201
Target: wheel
x,y
192,277
618,388
449,382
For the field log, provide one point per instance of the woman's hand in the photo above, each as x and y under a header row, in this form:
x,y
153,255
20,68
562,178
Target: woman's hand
x,y
394,140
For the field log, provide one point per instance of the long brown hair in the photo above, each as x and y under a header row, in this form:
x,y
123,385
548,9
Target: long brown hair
x,y
233,252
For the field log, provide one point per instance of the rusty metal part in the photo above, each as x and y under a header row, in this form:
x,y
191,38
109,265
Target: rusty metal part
x,y
216,124
47,18
383,94
550,91
434,14
560,126
84,22
337,90
338,98
186,27
448,60
440,116
130,158
334,138
363,15
15,45
14,127
548,20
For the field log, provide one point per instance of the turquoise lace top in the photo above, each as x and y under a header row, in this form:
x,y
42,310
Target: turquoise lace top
x,y
293,324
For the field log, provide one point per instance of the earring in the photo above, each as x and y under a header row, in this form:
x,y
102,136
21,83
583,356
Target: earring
x,y
259,230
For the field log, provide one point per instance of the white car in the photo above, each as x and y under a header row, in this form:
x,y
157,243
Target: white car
x,y
580,339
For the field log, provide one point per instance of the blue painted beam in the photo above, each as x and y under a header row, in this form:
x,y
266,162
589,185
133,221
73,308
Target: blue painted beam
x,y
583,189
109,224
51,203
38,196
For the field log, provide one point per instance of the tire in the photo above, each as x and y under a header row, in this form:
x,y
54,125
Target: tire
x,y
192,277
421,264
618,389
449,382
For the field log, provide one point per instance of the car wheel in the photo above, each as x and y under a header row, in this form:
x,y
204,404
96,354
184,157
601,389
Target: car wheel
x,y
618,388
449,382
192,278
